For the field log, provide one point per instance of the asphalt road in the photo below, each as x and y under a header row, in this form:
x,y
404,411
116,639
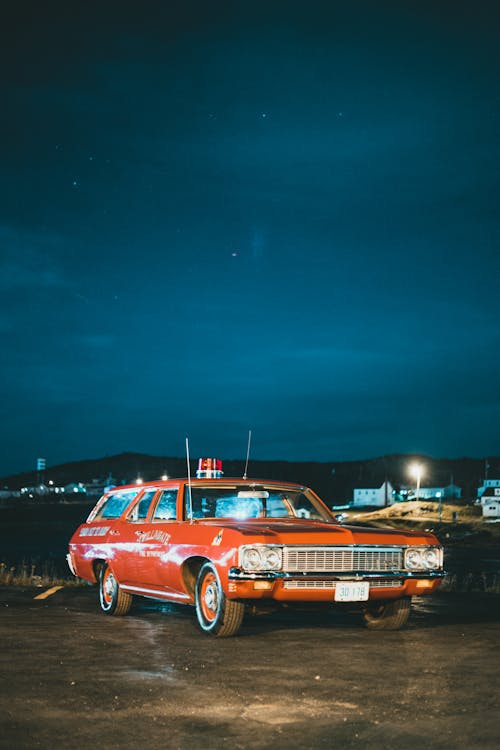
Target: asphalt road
x,y
73,677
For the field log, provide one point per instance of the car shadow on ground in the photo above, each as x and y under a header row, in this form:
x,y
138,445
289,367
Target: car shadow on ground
x,y
441,610
427,613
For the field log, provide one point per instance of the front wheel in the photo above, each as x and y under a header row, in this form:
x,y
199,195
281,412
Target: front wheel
x,y
216,614
113,600
390,614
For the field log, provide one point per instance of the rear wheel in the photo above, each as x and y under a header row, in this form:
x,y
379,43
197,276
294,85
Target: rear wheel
x,y
113,600
216,614
390,614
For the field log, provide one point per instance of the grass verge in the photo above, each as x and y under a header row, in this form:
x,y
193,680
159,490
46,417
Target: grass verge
x,y
47,573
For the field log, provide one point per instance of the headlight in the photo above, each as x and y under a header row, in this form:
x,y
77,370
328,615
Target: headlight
x,y
423,558
273,558
413,559
250,559
260,557
431,558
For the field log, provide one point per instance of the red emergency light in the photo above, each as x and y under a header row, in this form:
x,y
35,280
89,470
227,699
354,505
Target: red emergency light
x,y
209,468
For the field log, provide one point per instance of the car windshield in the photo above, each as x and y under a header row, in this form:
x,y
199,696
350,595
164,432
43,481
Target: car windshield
x,y
253,502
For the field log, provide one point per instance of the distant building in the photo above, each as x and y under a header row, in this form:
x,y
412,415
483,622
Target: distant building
x,y
487,483
409,492
491,509
35,490
490,502
5,494
378,497
451,492
74,488
40,490
98,487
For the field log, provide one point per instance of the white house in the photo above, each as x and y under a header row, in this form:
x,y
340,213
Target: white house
x,y
436,493
409,492
491,509
490,502
487,483
379,497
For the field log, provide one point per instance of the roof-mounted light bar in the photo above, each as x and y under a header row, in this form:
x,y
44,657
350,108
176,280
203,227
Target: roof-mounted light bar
x,y
209,468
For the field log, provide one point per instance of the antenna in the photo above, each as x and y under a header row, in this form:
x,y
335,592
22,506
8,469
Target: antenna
x,y
189,482
245,474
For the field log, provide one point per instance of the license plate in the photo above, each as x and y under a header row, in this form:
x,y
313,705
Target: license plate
x,y
352,591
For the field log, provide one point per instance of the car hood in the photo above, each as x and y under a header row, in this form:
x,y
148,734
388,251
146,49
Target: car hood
x,y
304,531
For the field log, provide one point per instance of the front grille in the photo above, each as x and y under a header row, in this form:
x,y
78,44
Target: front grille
x,y
341,559
392,583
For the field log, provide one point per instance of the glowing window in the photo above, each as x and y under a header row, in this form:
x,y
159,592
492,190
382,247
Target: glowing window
x,y
166,508
141,509
116,503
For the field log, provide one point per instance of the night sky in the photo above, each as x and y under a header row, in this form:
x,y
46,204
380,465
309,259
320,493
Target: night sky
x,y
277,216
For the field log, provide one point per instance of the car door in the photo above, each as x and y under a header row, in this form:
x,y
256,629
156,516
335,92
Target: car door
x,y
151,525
105,528
134,565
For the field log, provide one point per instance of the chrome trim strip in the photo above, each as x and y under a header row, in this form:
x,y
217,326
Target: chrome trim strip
x,y
154,593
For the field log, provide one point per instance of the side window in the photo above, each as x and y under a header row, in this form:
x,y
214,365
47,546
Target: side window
x,y
141,509
166,508
116,503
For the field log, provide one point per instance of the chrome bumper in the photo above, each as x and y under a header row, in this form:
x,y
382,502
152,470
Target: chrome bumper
x,y
236,574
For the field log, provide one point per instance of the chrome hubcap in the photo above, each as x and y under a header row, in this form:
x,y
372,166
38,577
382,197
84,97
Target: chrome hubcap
x,y
109,585
211,597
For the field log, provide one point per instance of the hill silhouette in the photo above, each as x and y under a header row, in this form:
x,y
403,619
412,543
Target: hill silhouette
x,y
334,481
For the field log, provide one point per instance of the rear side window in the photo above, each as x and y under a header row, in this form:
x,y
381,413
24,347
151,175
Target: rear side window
x,y
166,508
141,509
116,503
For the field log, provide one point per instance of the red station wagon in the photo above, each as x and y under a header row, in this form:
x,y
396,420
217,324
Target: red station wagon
x,y
221,544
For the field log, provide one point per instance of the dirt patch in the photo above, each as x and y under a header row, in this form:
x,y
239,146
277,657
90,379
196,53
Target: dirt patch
x,y
452,523
290,680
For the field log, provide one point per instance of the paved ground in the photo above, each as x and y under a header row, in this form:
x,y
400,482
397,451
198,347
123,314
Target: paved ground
x,y
73,677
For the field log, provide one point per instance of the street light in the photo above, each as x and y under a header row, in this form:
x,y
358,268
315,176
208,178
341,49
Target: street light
x,y
416,471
